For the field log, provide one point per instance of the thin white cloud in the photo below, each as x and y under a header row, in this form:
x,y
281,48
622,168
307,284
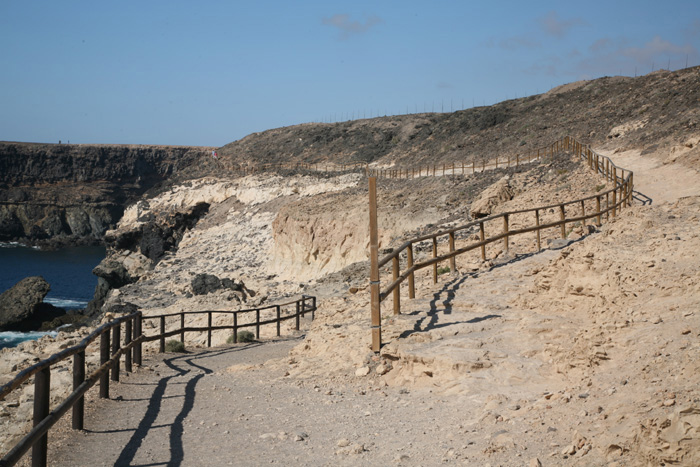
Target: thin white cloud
x,y
348,27
657,48
552,25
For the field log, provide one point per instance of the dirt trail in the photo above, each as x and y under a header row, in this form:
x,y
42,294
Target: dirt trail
x,y
655,180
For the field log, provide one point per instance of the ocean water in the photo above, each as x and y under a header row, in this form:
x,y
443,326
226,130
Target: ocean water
x,y
68,271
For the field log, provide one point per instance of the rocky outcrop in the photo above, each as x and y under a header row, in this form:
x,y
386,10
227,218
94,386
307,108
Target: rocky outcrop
x,y
496,194
22,307
59,194
135,250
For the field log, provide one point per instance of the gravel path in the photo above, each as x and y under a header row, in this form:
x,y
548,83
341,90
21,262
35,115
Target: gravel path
x,y
187,409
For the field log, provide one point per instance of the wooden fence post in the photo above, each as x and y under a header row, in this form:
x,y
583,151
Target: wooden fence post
x,y
116,342
583,214
162,334
137,334
375,303
562,213
435,267
42,390
482,237
257,324
209,329
453,260
235,327
127,341
182,327
296,317
614,209
278,312
397,290
537,223
78,417
104,358
505,231
409,265
597,209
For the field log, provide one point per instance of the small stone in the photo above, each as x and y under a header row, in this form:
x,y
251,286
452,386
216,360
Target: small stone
x,y
362,371
535,462
669,402
514,407
342,443
401,458
583,395
357,449
381,369
569,450
657,320
685,331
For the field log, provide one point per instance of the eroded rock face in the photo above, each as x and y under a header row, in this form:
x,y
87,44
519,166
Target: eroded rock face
x,y
22,307
72,194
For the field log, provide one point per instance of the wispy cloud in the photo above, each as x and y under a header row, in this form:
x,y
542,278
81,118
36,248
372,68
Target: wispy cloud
x,y
552,25
657,48
348,27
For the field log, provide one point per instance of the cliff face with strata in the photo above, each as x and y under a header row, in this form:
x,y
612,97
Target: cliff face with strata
x,y
65,193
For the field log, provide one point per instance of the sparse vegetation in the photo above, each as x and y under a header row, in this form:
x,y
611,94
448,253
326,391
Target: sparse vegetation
x,y
443,270
243,336
599,187
174,346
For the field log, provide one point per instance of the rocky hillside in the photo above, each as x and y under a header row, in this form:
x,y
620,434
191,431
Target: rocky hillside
x,y
608,111
64,193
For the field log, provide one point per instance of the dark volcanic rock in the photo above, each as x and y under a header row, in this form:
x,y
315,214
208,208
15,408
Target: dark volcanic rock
x,y
203,284
22,307
77,192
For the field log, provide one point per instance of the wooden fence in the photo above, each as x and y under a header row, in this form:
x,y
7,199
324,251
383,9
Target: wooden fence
x,y
595,207
429,170
111,349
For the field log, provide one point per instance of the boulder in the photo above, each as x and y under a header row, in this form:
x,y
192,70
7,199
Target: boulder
x,y
203,284
496,194
22,307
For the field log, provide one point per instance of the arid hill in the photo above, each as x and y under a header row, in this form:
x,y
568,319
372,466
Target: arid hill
x,y
651,112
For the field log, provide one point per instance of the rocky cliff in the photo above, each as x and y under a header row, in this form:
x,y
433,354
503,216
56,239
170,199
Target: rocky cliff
x,y
63,193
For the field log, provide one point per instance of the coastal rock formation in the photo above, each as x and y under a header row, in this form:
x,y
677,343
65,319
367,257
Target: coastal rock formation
x,y
22,307
53,194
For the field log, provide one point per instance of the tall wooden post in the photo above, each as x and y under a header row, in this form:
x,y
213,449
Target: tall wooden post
x,y
78,378
435,267
374,268
127,341
537,223
562,215
104,358
397,290
453,261
42,390
116,342
137,334
506,229
482,237
409,265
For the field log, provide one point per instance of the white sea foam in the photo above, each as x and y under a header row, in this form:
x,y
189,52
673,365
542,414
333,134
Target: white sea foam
x,y
12,338
66,303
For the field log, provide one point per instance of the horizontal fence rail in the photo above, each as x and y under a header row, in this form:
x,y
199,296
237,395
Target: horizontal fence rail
x,y
595,208
113,345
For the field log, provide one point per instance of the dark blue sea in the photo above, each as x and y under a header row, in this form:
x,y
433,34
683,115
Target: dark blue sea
x,y
68,271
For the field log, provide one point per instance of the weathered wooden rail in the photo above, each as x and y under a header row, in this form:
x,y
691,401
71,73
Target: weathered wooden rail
x,y
113,345
596,207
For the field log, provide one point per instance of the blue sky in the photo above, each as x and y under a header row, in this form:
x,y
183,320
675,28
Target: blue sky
x,y
211,72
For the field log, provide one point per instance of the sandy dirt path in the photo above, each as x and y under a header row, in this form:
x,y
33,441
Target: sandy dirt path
x,y
657,182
